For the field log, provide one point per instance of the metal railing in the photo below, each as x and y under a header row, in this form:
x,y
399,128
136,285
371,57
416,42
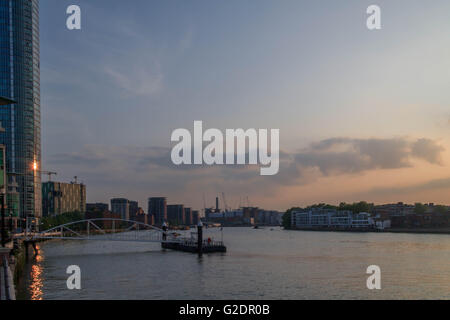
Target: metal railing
x,y
205,243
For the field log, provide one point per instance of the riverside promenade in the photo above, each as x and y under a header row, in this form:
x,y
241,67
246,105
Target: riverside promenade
x,y
7,289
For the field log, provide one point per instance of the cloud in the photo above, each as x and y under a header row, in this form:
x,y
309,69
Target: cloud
x,y
436,184
345,155
428,150
149,170
137,80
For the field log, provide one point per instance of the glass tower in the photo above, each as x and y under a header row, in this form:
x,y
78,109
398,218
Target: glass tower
x,y
20,81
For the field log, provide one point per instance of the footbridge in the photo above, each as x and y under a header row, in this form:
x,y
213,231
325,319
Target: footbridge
x,y
107,229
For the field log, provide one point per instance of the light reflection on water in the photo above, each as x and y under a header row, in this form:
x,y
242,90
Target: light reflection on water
x,y
36,278
267,263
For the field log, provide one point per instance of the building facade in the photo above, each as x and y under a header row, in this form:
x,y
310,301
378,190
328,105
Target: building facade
x,y
59,198
188,216
395,209
107,223
175,214
157,207
134,208
330,218
139,215
195,217
20,81
121,206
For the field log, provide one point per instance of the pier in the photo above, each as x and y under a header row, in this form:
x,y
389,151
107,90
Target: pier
x,y
198,245
192,246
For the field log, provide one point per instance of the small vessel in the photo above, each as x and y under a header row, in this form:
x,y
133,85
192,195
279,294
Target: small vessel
x,y
176,234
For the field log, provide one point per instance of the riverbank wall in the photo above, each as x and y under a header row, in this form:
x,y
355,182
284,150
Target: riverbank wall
x,y
7,263
390,230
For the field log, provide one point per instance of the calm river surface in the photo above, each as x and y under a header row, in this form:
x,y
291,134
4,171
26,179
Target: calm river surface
x,y
268,263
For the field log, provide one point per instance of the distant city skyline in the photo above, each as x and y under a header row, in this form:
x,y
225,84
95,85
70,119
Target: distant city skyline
x,y
363,115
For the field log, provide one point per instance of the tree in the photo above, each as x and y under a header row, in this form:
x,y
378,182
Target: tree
x,y
362,206
357,207
440,209
53,221
286,219
321,206
419,208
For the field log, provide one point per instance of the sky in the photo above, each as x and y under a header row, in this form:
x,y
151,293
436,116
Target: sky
x,y
363,115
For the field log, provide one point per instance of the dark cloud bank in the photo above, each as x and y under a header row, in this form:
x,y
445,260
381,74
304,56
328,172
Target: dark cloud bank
x,y
151,170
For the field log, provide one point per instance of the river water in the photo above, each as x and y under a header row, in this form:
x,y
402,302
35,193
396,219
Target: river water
x,y
268,263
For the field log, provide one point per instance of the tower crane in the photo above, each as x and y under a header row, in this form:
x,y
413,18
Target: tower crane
x,y
49,173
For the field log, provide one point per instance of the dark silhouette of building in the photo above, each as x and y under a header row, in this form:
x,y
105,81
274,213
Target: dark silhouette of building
x,y
195,217
121,206
140,216
106,224
175,214
188,216
133,208
157,207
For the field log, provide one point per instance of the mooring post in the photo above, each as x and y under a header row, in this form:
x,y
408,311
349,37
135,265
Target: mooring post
x,y
36,251
200,237
164,227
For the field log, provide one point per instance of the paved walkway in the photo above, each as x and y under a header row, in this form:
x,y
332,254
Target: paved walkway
x,y
7,290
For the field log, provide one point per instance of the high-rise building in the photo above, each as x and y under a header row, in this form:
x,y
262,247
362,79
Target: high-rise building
x,y
134,208
188,216
121,206
195,217
59,197
157,207
175,214
20,81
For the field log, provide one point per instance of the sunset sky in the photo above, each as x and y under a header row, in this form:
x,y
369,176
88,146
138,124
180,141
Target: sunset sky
x,y
363,115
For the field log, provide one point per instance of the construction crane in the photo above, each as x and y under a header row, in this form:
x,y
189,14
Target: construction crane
x,y
49,173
